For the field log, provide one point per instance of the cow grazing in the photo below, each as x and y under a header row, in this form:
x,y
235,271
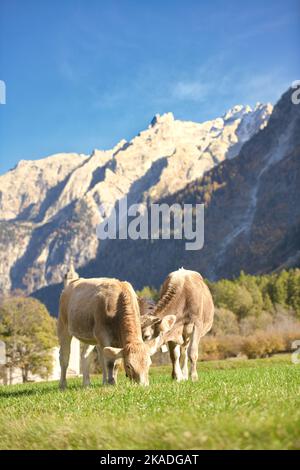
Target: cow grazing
x,y
105,312
185,295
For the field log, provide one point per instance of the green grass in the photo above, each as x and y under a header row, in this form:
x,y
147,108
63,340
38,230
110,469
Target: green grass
x,y
234,405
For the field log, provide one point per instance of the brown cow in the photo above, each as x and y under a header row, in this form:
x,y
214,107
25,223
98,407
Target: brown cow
x,y
105,312
185,295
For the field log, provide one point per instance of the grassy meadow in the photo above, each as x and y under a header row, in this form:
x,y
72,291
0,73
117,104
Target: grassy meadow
x,y
236,404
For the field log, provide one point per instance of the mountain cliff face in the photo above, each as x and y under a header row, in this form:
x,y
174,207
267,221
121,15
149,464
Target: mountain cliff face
x,y
252,218
252,213
49,208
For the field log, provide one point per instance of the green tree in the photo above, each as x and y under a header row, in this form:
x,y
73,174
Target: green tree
x,y
250,283
268,306
293,288
279,288
149,293
232,296
29,333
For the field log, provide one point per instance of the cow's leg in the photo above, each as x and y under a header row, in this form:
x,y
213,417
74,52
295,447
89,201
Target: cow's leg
x,y
193,352
103,364
103,341
109,365
116,369
86,359
184,361
175,358
64,355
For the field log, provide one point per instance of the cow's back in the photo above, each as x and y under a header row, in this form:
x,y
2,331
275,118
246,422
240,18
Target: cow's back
x,y
87,303
193,301
199,308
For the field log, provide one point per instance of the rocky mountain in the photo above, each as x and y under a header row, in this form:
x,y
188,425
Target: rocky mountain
x,y
49,208
252,214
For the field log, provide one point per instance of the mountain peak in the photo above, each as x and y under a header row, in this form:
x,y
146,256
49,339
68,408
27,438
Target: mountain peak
x,y
237,111
159,119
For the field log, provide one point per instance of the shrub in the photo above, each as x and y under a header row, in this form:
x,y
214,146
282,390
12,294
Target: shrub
x,y
252,323
225,322
230,346
290,336
263,343
209,348
220,347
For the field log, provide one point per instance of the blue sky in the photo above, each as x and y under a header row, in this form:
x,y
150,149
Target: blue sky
x,y
84,74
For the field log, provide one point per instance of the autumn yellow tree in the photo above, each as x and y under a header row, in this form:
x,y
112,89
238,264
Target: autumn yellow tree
x,y
29,333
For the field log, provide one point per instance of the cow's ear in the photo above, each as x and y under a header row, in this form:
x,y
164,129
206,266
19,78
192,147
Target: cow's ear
x,y
167,323
113,353
149,320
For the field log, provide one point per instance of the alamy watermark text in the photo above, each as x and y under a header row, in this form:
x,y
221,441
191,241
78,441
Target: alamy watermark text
x,y
156,221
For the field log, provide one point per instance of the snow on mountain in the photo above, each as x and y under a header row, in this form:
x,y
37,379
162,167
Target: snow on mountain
x,y
49,208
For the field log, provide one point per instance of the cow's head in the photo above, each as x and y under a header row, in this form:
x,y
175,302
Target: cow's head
x,y
153,327
137,356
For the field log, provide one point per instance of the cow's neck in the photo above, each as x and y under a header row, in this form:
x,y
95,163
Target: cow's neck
x,y
130,325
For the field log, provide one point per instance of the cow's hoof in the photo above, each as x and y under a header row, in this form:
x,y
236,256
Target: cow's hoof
x,y
111,382
178,378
